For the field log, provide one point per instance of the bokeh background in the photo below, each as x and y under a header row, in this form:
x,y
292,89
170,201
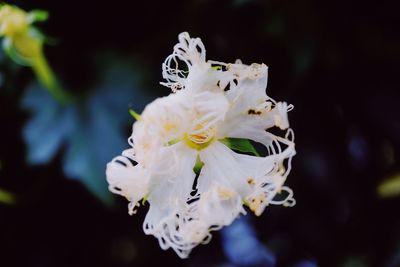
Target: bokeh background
x,y
336,61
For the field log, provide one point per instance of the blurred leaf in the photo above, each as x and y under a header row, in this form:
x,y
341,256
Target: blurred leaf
x,y
242,247
48,127
390,187
6,197
241,145
91,130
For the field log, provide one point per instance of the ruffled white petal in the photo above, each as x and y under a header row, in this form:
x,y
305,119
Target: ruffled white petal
x,y
251,109
267,180
219,206
189,53
211,108
163,120
127,179
170,188
250,117
258,181
220,168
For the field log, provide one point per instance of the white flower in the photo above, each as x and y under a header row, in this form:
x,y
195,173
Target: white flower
x,y
212,105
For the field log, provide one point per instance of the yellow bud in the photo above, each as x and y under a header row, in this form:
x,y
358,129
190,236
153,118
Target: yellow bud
x,y
27,46
13,21
21,42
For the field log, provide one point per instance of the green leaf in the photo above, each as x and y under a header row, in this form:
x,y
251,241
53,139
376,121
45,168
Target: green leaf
x,y
240,144
134,114
390,187
6,197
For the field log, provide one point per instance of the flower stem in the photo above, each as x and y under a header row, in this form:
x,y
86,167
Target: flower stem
x,y
47,78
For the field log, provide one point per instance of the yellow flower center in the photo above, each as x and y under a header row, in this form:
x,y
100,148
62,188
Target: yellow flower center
x,y
200,139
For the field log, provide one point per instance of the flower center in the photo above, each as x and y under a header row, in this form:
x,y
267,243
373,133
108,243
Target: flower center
x,y
200,138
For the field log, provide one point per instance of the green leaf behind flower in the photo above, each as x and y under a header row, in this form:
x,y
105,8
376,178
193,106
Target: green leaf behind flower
x,y
240,145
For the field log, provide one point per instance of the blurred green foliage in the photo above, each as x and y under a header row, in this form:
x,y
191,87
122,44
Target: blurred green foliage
x,y
390,187
6,197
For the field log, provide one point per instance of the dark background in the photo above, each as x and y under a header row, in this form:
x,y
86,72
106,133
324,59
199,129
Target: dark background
x,y
337,62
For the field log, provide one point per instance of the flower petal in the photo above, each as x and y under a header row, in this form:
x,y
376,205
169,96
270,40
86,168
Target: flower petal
x,y
170,187
219,206
256,180
127,179
221,168
164,120
189,53
172,178
251,110
211,108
